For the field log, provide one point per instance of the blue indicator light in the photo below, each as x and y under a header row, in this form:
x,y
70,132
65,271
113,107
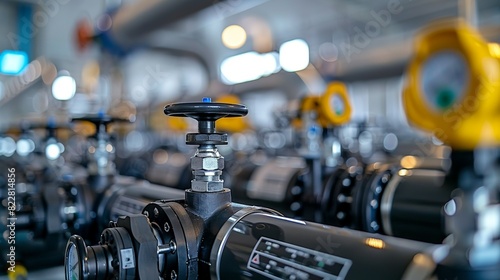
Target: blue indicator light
x,y
13,62
206,100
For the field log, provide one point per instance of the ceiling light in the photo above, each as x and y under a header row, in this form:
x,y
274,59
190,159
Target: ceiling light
x,y
64,88
294,55
234,36
248,67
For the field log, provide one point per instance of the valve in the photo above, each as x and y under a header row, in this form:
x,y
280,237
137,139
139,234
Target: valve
x,y
452,91
317,118
207,163
52,147
206,236
101,156
331,108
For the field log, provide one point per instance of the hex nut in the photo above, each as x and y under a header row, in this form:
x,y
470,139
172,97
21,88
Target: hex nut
x,y
210,164
201,172
202,186
207,163
199,138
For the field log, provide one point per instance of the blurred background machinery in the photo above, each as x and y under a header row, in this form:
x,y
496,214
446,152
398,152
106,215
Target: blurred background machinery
x,y
377,116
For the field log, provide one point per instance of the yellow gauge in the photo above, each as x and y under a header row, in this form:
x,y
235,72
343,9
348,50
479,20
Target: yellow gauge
x,y
231,125
332,108
452,86
335,107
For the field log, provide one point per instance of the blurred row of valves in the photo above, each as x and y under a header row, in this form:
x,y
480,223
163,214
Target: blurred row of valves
x,y
83,186
306,169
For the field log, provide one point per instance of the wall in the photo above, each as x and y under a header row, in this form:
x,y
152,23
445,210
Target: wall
x,y
51,31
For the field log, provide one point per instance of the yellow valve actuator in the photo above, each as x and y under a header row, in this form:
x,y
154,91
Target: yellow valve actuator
x,y
333,106
453,86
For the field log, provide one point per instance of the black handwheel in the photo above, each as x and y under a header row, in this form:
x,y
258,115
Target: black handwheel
x,y
205,110
206,113
98,119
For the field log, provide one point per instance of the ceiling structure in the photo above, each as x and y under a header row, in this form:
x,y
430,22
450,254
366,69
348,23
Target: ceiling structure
x,y
331,28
